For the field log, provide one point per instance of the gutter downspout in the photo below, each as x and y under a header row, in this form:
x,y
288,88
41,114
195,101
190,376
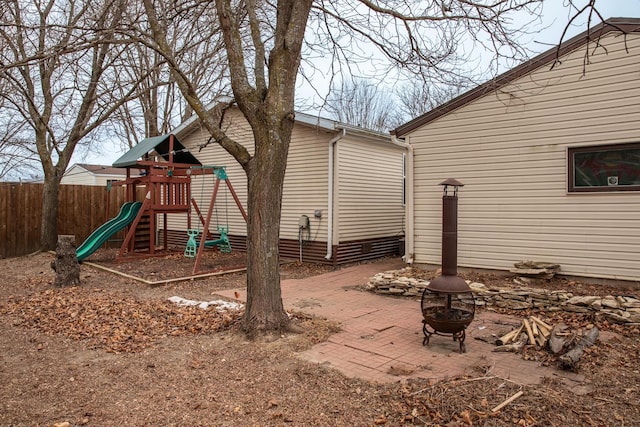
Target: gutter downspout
x,y
330,174
409,208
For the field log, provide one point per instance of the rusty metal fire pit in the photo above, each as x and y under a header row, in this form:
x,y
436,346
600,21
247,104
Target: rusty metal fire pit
x,y
447,302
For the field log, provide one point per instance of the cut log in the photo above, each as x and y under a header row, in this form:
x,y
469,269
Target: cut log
x,y
514,347
541,323
527,327
541,340
570,359
534,329
556,340
507,338
544,332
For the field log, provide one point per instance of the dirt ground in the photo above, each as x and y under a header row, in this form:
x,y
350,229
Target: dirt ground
x,y
115,351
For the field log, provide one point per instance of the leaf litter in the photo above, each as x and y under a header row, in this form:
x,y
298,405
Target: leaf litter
x,y
176,365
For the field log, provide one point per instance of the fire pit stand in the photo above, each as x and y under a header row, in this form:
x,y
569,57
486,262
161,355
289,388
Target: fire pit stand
x,y
447,303
447,313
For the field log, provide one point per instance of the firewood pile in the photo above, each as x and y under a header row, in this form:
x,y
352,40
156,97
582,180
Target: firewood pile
x,y
560,340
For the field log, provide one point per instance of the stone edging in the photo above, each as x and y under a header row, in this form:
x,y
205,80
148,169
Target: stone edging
x,y
617,309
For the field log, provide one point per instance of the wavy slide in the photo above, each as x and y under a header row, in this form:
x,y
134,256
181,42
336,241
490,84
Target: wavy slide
x,y
127,214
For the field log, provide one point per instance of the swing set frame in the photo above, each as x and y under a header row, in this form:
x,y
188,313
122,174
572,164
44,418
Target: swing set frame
x,y
166,171
165,178
220,173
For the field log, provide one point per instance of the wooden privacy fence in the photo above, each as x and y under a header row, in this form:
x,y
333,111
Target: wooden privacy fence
x,y
81,210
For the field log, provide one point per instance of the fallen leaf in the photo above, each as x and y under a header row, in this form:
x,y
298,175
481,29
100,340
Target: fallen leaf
x,y
273,403
380,420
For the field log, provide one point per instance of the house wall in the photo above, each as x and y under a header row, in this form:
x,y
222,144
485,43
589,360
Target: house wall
x,y
368,208
305,188
78,175
509,148
369,188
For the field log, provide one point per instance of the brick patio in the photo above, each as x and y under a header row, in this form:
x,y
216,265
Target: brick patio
x,y
381,337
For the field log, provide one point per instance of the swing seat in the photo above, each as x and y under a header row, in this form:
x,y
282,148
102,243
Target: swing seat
x,y
222,243
191,249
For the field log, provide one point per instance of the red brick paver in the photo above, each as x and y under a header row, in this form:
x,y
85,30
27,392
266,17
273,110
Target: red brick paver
x,y
381,337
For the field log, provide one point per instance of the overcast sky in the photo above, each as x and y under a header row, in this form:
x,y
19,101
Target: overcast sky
x,y
554,20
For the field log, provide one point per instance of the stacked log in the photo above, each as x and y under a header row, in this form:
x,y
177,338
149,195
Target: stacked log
x,y
568,345
532,330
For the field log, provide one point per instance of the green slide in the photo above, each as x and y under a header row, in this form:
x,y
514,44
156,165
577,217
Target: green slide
x,y
127,214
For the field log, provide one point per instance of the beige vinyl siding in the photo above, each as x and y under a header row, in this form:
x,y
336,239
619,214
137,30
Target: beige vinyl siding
x,y
79,176
305,188
509,148
306,183
226,212
369,190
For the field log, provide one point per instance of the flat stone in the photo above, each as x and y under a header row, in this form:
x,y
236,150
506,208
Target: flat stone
x,y
634,303
582,300
539,297
401,285
575,308
519,282
533,272
615,317
610,301
514,297
513,305
477,286
541,265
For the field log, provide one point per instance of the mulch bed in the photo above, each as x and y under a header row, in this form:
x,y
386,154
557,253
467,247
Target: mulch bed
x,y
170,264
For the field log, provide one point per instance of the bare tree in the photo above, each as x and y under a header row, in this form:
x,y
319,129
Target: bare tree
x,y
265,43
16,159
360,102
57,65
194,38
419,97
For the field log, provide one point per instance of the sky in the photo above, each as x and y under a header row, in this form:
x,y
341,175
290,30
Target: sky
x,y
554,20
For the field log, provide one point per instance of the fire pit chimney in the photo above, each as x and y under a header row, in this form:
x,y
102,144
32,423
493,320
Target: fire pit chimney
x,y
447,303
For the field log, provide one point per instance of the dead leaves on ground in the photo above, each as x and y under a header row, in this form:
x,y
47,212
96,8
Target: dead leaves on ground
x,y
112,321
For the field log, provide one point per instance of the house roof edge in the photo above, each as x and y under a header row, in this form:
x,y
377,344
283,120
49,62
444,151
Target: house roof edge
x,y
308,119
626,25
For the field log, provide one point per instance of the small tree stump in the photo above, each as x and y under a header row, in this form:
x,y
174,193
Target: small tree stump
x,y
66,263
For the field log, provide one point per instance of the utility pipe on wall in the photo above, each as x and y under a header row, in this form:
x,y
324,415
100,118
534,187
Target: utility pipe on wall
x,y
330,175
409,208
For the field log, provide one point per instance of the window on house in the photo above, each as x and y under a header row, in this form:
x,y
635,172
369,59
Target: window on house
x,y
604,168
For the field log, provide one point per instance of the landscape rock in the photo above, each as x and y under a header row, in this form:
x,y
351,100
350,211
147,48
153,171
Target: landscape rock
x,y
583,300
535,270
618,309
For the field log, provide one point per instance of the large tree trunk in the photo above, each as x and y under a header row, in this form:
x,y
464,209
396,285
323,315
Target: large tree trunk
x,y
50,198
264,310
